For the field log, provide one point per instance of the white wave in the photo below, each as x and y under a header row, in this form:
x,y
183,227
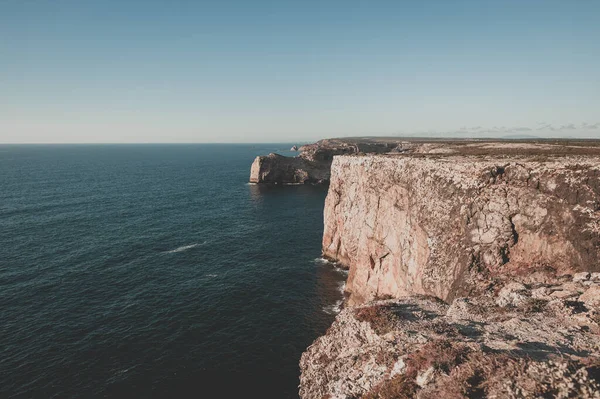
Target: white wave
x,y
321,261
336,265
211,275
342,286
335,308
184,248
325,261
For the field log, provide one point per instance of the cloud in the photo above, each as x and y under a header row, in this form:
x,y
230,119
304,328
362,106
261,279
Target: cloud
x,y
567,127
588,126
546,126
542,129
570,126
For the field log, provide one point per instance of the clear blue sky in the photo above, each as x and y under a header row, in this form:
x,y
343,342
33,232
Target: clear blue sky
x,y
250,71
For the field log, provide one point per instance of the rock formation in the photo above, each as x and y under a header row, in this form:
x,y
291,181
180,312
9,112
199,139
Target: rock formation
x,y
437,224
313,163
488,256
520,341
277,169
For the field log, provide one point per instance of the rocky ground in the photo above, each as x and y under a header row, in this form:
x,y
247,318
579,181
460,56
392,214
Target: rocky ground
x,y
514,341
474,272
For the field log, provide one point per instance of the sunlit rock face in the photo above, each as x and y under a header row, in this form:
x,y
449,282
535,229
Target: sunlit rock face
x,y
441,222
517,341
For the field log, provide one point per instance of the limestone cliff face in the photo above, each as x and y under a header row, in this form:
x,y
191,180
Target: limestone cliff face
x,y
438,224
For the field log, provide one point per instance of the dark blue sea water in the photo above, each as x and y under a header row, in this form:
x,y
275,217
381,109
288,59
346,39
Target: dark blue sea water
x,y
156,271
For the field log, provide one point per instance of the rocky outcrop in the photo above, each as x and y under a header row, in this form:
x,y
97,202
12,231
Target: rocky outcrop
x,y
488,257
444,222
514,341
277,169
312,165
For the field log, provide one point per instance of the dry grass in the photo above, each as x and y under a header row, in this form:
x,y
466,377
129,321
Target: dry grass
x,y
464,373
445,329
383,297
397,387
381,318
440,354
534,306
385,357
476,375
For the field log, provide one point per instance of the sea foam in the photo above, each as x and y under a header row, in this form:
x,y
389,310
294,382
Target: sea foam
x,y
335,265
184,248
335,308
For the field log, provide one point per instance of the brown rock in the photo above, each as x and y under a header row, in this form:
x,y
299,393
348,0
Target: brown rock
x,y
435,225
440,351
591,297
580,277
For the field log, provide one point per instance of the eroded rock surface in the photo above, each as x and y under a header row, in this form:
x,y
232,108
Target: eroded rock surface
x,y
513,341
443,223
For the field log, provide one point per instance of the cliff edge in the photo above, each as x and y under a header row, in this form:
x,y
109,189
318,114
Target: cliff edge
x,y
521,341
438,224
474,272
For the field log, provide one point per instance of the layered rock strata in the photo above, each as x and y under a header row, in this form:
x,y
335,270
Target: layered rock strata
x,y
442,224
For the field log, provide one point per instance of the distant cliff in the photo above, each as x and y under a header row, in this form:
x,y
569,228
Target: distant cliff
x,y
277,169
312,165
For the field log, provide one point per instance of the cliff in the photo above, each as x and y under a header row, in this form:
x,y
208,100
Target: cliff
x,y
277,169
439,224
473,272
313,163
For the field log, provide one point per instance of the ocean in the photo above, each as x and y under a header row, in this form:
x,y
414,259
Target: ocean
x,y
156,271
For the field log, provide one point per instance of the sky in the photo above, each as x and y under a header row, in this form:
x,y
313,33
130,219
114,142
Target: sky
x,y
83,71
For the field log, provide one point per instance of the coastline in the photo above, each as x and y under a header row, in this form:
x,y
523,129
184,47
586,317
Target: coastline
x,y
490,225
